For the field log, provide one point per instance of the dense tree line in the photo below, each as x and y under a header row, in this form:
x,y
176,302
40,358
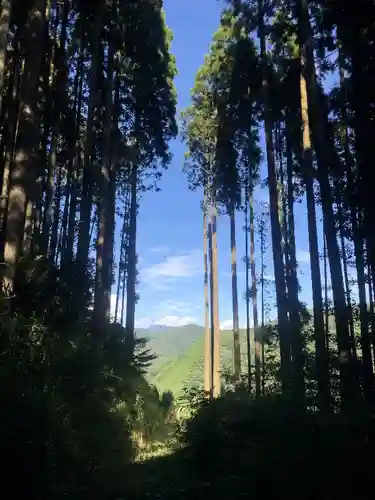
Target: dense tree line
x,y
87,110
299,74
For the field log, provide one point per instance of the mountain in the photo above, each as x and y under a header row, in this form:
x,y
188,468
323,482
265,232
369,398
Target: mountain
x,y
179,352
168,344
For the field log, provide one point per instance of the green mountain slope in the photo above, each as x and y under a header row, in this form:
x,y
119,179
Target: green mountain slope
x,y
169,343
180,364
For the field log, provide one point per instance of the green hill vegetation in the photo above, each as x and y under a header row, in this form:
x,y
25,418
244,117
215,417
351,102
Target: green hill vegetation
x,y
168,344
179,357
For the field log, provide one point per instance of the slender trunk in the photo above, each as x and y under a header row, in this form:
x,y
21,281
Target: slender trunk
x,y
5,14
54,94
372,311
215,305
367,366
321,352
347,284
257,340
215,327
207,339
247,286
104,251
236,326
73,168
56,219
292,283
286,365
9,139
362,221
88,177
121,264
28,228
326,305
358,238
132,255
262,251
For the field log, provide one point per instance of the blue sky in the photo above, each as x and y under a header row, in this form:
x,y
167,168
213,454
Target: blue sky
x,y
170,228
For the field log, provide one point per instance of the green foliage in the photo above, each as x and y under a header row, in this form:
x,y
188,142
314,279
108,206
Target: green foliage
x,y
271,443
219,128
63,425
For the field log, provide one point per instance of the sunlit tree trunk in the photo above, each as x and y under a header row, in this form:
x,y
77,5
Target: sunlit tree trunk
x,y
214,295
9,139
236,326
207,331
321,353
283,323
23,179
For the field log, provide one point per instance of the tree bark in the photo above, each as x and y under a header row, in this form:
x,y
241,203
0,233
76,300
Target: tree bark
x,y
207,331
283,323
132,255
236,326
24,173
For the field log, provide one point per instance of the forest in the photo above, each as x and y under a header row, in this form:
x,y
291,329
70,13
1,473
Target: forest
x,y
88,111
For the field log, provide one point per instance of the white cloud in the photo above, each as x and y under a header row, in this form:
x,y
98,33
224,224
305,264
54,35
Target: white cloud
x,y
176,266
165,320
228,324
303,256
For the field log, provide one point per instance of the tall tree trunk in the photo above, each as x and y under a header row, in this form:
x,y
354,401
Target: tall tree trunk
x,y
247,285
55,91
24,173
358,238
121,263
5,14
321,352
9,139
283,323
88,176
207,331
132,255
257,339
215,326
326,301
56,219
236,326
104,250
325,151
347,284
292,282
74,165
262,252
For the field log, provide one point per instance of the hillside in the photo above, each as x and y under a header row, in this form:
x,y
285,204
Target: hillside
x,y
179,352
169,343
